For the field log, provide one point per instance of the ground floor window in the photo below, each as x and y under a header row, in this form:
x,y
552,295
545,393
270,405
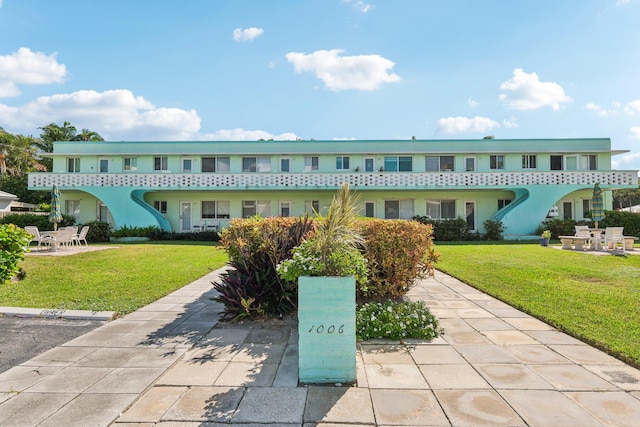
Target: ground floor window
x,y
103,213
72,207
311,207
503,202
215,209
398,209
256,207
441,209
285,209
586,207
160,206
370,209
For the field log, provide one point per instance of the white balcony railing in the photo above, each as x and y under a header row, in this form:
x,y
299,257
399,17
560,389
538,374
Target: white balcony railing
x,y
333,180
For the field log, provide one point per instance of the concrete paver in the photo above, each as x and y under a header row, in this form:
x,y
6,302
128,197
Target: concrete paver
x,y
174,364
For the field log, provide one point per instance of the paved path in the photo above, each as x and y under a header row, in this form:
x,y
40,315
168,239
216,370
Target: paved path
x,y
172,364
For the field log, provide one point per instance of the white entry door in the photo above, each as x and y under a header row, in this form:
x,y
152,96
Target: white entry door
x,y
186,209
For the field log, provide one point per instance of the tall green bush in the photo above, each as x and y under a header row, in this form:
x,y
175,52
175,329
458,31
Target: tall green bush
x,y
398,252
99,231
255,247
13,243
446,230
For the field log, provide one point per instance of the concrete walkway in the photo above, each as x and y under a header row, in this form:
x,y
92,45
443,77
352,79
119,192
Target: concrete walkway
x,y
172,364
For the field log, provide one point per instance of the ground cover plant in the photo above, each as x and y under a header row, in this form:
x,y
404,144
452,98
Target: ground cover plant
x,y
396,321
593,298
121,280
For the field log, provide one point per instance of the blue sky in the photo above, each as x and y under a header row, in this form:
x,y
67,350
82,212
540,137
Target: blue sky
x,y
324,69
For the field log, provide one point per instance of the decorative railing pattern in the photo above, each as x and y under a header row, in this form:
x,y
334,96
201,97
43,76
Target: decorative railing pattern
x,y
332,180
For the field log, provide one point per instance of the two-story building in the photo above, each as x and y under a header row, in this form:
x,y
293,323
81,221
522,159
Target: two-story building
x,y
182,186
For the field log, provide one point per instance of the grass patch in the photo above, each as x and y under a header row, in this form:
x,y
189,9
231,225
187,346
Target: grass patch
x,y
593,298
121,280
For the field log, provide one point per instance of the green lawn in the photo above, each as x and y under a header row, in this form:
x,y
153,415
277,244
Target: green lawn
x,y
122,279
594,298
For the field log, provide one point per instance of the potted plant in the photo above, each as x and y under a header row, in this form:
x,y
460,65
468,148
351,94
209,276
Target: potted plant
x,y
327,266
546,236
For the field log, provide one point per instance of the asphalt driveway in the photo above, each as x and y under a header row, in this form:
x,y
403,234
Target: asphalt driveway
x,y
24,338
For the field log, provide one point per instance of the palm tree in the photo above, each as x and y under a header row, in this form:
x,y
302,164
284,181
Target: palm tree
x,y
87,135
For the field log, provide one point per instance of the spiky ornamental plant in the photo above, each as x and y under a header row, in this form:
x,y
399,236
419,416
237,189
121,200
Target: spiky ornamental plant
x,y
334,248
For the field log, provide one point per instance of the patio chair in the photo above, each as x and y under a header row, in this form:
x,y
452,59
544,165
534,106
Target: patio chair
x,y
612,237
82,237
65,237
33,230
583,231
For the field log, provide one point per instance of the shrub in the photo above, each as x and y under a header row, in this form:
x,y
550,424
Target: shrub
x,y
558,227
494,230
13,243
255,247
191,236
629,220
40,221
99,231
398,252
334,249
126,231
396,321
448,229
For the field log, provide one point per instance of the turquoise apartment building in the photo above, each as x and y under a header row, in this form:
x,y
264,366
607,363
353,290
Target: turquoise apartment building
x,y
190,185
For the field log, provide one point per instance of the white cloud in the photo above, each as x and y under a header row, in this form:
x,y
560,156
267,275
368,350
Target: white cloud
x,y
247,34
635,132
360,6
456,125
622,2
245,135
527,92
510,123
26,67
362,72
115,114
599,110
472,103
632,108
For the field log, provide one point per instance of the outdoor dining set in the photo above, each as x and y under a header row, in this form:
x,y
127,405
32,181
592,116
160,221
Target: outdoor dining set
x,y
62,238
609,238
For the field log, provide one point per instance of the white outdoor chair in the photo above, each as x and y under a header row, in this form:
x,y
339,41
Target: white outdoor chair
x,y
65,237
82,237
33,230
583,231
612,237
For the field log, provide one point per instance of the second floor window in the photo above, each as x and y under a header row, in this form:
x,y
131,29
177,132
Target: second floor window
x,y
216,164
103,165
311,163
130,164
73,164
342,163
160,164
496,162
588,162
256,164
438,163
285,164
529,161
398,164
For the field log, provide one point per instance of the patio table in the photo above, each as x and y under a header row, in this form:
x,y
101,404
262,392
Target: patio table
x,y
54,240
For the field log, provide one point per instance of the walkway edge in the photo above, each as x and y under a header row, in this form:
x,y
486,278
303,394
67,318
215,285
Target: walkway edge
x,y
48,313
